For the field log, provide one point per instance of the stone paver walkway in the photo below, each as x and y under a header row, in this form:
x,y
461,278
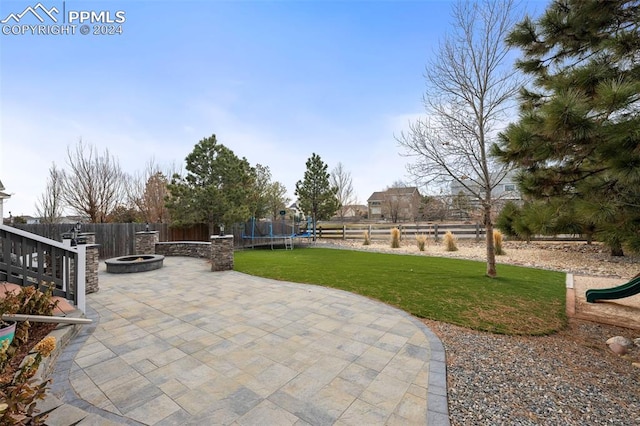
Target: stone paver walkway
x,y
184,346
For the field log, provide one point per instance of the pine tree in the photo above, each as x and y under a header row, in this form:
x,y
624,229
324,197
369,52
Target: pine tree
x,y
315,193
577,140
215,189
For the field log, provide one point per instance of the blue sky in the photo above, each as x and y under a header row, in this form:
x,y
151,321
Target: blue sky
x,y
275,81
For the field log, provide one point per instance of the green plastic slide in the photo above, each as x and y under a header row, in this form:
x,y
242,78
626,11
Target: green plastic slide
x,y
619,292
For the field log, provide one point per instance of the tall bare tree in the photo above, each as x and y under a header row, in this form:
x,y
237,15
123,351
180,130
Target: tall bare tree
x,y
340,178
469,88
49,206
147,191
94,184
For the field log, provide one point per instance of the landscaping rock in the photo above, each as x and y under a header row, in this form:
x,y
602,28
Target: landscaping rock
x,y
620,340
618,349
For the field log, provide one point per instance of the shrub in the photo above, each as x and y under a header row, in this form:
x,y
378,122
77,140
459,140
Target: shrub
x,y
367,239
395,238
497,242
421,240
450,241
505,221
20,396
28,301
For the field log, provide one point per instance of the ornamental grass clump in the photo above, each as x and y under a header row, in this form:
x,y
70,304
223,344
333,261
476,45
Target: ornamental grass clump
x,y
497,243
395,238
367,239
450,241
421,241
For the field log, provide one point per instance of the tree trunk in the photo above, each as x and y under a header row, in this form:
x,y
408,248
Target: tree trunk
x,y
491,250
616,249
313,219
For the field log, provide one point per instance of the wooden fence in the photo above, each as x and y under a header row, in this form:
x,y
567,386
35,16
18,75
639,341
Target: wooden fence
x,y
433,231
118,239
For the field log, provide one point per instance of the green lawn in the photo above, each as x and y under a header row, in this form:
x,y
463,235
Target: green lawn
x,y
520,301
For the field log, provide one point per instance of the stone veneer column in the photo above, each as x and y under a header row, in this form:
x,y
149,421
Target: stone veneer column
x,y
221,253
146,242
92,262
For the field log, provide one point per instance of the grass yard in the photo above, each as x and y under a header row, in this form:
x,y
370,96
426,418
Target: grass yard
x,y
520,301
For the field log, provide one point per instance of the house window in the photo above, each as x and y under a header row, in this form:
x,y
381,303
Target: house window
x,y
509,187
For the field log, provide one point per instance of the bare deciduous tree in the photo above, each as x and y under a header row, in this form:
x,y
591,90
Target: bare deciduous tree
x,y
469,89
341,179
94,184
147,191
50,205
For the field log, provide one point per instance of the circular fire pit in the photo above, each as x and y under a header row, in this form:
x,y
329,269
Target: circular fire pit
x,y
135,263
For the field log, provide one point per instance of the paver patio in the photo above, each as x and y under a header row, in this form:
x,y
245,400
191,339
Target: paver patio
x,y
183,345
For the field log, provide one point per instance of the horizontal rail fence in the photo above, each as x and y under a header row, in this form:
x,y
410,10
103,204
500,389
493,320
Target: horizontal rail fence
x,y
118,239
32,260
383,231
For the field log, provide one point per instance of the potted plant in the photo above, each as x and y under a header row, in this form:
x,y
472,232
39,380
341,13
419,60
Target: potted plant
x,y
7,331
7,306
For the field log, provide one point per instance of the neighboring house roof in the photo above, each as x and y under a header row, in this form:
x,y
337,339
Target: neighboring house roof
x,y
376,196
379,195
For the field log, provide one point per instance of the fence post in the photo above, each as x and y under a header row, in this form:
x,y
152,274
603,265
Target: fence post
x,y
477,232
435,232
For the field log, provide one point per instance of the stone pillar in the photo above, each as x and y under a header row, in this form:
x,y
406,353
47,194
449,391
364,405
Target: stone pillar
x,y
89,237
146,242
221,253
91,268
92,261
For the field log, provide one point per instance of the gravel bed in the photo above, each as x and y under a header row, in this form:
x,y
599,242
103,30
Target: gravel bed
x,y
568,378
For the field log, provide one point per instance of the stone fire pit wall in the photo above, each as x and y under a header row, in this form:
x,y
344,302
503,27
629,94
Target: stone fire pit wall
x,y
219,250
221,253
199,249
146,242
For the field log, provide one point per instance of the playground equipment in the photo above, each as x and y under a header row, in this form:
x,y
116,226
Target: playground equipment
x,y
625,290
274,233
